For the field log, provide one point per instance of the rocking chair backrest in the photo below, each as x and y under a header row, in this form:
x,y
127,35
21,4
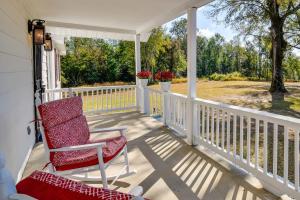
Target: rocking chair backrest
x,y
64,123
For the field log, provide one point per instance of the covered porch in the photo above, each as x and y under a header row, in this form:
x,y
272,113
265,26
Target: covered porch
x,y
167,167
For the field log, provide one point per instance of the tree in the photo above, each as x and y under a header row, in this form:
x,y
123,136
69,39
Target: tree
x,y
125,63
292,66
282,17
179,33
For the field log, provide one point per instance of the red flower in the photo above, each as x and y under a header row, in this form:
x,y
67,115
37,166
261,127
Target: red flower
x,y
144,74
164,76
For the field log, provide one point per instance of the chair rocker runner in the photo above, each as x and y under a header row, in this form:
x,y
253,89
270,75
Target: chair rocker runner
x,y
67,142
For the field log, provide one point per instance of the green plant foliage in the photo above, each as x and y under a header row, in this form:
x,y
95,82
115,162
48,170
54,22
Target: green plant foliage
x,y
234,76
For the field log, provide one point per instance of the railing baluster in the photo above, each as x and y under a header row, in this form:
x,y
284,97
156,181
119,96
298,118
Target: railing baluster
x,y
234,136
256,143
102,100
127,97
106,98
198,121
87,100
207,123
92,100
124,98
275,143
181,115
120,98
97,93
248,140
241,138
265,147
130,102
116,98
218,128
156,103
223,130
203,121
110,99
296,147
286,155
184,115
212,125
228,116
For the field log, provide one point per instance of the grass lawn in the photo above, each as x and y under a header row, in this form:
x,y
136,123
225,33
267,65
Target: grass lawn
x,y
245,93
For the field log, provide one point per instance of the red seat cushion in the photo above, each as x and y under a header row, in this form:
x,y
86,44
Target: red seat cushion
x,y
84,158
45,186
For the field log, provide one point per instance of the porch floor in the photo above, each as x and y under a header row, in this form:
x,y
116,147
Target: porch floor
x,y
168,168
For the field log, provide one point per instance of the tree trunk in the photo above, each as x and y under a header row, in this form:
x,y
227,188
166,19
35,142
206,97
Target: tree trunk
x,y
278,49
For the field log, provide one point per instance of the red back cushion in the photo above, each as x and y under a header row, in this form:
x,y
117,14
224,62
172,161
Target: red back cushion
x,y
45,186
69,133
59,111
64,123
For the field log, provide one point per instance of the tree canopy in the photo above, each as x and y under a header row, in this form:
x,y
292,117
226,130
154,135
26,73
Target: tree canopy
x,y
278,20
90,61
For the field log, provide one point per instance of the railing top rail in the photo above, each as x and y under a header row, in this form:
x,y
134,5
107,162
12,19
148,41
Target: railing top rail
x,y
57,90
104,87
178,95
90,88
154,90
252,112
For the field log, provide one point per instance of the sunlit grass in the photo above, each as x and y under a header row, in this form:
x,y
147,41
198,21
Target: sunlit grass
x,y
250,94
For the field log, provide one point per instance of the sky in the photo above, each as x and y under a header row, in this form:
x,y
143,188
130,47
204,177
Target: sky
x,y
208,26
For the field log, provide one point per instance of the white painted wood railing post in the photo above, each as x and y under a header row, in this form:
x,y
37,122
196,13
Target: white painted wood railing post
x,y
145,103
165,104
138,69
191,73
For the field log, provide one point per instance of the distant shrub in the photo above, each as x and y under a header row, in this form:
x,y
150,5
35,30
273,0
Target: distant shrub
x,y
217,77
179,80
253,79
234,76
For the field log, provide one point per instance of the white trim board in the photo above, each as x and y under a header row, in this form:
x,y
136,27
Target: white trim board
x,y
24,164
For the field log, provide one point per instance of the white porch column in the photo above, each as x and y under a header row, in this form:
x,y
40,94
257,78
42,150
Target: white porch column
x,y
191,70
138,69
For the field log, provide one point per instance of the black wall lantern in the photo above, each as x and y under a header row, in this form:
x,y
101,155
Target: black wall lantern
x,y
48,42
37,28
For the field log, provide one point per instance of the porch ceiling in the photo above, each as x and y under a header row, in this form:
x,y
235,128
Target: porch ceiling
x,y
110,16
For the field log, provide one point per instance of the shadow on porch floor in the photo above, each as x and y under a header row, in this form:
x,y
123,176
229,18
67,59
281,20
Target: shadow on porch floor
x,y
167,167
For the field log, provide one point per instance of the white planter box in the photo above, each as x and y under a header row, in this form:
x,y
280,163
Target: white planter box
x,y
143,82
165,86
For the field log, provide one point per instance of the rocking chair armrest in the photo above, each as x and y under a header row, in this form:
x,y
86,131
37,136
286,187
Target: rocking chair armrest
x,y
120,129
79,147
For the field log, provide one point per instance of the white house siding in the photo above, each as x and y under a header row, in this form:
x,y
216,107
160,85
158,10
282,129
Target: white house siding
x,y
16,85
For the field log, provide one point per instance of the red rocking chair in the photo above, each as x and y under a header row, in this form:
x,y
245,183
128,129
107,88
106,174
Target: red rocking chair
x,y
66,138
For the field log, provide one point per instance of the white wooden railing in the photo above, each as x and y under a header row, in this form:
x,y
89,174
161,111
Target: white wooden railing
x,y
176,112
104,98
155,102
265,144
262,143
